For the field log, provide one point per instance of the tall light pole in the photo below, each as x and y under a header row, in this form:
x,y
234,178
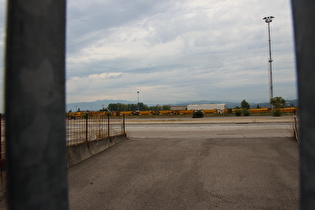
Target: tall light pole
x,y
268,20
138,100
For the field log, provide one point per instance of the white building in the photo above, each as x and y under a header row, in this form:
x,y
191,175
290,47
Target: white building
x,y
218,107
177,108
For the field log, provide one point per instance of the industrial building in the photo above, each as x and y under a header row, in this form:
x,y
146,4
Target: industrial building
x,y
218,107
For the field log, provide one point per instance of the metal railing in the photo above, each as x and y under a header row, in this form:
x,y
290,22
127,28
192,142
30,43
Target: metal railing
x,y
82,129
90,128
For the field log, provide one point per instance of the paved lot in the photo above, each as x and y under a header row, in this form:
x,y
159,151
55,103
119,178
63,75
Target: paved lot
x,y
187,130
219,127
181,167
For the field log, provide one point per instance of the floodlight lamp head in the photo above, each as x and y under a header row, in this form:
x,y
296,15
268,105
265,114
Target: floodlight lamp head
x,y
268,19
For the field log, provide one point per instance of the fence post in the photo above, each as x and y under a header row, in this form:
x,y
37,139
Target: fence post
x,y
124,125
108,127
35,105
86,127
99,118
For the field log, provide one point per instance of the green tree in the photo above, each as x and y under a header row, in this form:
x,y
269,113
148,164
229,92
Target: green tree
x,y
277,102
245,104
112,107
155,108
103,110
123,107
143,107
128,107
166,107
132,107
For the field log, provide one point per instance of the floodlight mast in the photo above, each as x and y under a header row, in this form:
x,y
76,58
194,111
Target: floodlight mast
x,y
268,20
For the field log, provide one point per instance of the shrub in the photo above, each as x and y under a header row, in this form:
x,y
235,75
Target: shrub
x,y
198,114
246,112
238,112
276,113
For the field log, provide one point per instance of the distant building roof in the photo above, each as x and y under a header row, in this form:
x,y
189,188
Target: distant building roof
x,y
178,108
206,106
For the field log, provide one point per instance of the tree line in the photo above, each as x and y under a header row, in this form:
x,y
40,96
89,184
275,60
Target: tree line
x,y
136,107
276,102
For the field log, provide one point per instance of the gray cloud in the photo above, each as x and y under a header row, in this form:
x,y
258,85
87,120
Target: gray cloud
x,y
177,50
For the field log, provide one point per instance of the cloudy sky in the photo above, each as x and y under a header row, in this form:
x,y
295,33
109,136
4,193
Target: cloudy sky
x,y
176,50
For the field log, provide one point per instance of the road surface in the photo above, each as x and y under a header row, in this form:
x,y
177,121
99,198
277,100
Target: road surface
x,y
192,165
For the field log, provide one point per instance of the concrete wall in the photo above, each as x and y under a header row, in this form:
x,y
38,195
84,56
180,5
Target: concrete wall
x,y
79,152
76,154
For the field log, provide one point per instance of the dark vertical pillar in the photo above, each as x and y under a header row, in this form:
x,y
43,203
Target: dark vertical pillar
x,y
0,136
35,104
304,19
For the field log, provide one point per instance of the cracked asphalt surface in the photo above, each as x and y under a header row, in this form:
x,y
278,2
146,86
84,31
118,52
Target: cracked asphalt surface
x,y
196,169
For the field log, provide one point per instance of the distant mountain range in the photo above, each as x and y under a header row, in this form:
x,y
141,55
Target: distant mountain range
x,y
234,104
97,105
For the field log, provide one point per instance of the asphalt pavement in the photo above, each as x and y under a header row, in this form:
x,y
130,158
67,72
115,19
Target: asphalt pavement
x,y
185,168
180,163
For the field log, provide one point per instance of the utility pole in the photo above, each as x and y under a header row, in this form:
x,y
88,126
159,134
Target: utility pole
x,y
268,20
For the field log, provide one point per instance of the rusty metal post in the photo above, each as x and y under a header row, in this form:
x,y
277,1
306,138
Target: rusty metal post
x,y
124,124
86,127
108,126
35,105
99,125
304,18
